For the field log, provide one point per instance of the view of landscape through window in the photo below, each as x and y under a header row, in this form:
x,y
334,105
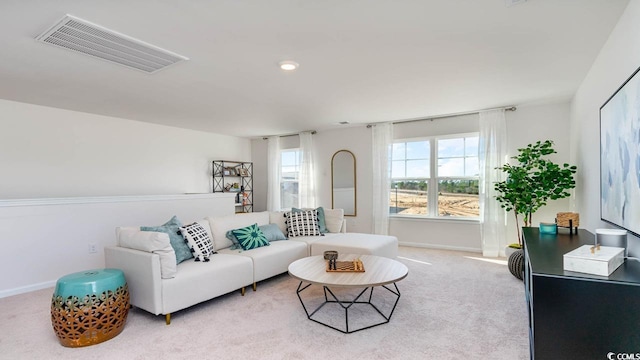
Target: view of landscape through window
x,y
289,175
455,180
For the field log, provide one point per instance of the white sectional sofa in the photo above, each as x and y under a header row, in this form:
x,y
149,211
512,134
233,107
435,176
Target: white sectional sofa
x,y
159,286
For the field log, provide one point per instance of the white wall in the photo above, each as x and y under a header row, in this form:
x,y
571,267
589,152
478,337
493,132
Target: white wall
x,y
49,152
618,59
44,239
528,124
53,153
260,156
358,141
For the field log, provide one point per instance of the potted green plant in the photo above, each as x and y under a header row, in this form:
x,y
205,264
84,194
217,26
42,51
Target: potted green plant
x,y
532,182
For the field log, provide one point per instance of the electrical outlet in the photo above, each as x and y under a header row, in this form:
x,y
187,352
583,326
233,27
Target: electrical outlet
x,y
93,248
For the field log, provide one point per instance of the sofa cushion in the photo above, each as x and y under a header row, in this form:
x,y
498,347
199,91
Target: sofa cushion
x,y
220,226
302,223
272,260
357,243
250,237
272,232
172,227
198,282
199,241
334,219
153,242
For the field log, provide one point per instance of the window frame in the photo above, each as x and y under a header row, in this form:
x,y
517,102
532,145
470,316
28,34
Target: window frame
x,y
434,178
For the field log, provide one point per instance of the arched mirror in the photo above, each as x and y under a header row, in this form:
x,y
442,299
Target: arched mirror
x,y
343,182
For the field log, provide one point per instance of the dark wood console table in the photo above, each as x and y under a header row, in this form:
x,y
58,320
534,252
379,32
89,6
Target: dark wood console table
x,y
574,315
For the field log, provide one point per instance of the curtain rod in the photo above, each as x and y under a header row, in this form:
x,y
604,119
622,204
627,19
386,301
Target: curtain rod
x,y
508,108
313,132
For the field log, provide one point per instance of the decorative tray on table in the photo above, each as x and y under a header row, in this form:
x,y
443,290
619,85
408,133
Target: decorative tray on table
x,y
345,266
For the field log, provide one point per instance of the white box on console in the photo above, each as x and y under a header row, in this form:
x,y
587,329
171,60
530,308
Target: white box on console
x,y
603,262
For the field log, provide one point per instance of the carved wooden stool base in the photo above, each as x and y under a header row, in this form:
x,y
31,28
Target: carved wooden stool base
x,y
91,318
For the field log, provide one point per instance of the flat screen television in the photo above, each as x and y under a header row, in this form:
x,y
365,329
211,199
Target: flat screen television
x,y
620,156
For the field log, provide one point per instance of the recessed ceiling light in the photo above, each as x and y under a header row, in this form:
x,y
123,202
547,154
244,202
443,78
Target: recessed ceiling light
x,y
288,65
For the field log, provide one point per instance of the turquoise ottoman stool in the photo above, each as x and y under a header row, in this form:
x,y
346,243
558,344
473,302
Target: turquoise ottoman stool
x,y
89,307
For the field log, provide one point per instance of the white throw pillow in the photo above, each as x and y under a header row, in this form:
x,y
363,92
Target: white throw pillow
x,y
199,241
153,242
333,218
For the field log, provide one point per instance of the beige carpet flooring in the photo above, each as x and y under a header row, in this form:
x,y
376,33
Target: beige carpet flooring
x,y
454,305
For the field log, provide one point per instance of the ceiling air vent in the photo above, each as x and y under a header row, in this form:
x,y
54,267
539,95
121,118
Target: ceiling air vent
x,y
81,36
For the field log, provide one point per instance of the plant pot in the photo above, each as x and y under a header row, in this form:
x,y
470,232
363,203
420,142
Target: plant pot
x,y
509,250
516,263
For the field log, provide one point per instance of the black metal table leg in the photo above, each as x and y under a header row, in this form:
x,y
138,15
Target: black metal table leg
x,y
346,305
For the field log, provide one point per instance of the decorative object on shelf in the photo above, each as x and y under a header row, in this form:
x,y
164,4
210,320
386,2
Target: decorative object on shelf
x,y
594,259
345,266
569,220
245,196
236,177
243,172
548,228
533,181
89,307
516,263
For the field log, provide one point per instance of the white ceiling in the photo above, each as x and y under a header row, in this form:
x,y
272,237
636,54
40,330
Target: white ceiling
x,y
361,61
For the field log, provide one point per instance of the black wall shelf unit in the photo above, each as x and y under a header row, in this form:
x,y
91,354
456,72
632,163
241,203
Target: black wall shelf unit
x,y
235,177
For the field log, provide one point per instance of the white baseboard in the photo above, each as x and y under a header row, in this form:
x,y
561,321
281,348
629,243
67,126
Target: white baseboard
x,y
26,289
439,247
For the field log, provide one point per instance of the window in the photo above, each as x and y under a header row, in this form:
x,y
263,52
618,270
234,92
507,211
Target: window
x,y
289,175
442,171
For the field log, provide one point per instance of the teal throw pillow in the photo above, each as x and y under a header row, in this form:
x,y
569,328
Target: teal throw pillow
x,y
250,237
321,222
179,245
272,232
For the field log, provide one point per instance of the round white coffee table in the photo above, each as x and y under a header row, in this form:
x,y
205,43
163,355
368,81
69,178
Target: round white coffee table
x,y
378,272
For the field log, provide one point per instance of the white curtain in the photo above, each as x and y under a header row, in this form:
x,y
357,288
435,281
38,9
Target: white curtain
x,y
273,174
382,139
306,182
492,151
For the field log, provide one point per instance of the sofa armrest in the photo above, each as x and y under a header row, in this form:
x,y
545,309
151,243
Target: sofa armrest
x,y
142,272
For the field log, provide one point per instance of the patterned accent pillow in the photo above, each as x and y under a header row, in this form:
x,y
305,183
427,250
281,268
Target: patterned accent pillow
x,y
198,240
172,227
250,237
321,222
303,223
